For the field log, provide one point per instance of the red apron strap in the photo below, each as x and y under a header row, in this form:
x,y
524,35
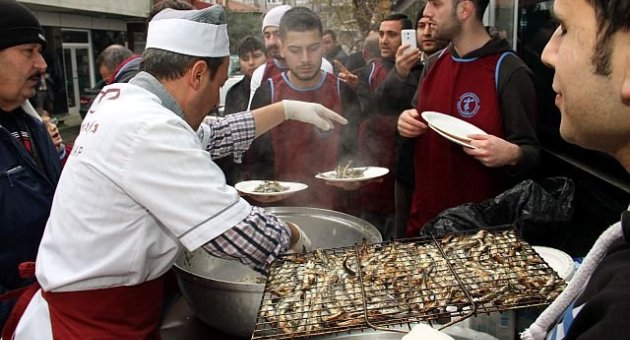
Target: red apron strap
x,y
128,312
24,296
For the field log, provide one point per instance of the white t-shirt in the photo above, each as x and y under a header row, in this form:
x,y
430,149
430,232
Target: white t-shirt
x,y
254,83
137,187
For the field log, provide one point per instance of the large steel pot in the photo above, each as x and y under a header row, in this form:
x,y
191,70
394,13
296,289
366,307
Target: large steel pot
x,y
214,287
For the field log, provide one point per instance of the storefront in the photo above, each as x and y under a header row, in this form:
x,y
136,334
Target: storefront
x,y
76,34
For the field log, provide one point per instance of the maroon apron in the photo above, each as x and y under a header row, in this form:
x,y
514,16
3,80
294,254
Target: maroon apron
x,y
127,312
445,176
377,148
302,150
271,69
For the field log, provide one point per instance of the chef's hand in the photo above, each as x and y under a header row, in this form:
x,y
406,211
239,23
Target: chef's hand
x,y
311,113
493,151
409,125
346,76
299,241
406,58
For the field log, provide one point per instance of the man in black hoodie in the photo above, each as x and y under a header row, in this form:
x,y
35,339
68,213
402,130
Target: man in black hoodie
x,y
480,80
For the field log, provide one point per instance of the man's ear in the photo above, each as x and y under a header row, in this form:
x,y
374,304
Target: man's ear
x,y
465,9
198,73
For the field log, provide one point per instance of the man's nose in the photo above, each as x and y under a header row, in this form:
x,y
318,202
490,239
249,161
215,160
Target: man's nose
x,y
40,63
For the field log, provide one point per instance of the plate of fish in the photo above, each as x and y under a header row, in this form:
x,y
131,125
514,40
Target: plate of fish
x,y
452,128
269,188
348,173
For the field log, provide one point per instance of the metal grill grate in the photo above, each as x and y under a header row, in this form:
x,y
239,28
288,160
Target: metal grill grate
x,y
417,280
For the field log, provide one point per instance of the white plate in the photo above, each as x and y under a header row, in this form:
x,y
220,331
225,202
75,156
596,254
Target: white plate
x,y
455,127
247,187
451,138
371,172
558,260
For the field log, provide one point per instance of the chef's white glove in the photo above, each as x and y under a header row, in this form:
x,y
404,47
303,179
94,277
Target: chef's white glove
x,y
311,113
424,331
303,243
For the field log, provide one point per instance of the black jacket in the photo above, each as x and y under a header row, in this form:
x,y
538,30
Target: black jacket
x,y
26,193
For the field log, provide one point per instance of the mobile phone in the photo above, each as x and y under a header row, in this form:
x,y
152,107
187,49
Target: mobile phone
x,y
408,37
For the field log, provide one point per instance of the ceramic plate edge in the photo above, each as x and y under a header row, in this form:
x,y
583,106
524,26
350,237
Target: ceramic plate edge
x,y
300,187
384,171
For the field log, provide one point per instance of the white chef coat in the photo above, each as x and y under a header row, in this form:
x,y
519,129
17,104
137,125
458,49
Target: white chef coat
x,y
137,186
259,72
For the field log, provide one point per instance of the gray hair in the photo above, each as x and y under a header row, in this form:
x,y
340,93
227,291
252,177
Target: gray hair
x,y
112,56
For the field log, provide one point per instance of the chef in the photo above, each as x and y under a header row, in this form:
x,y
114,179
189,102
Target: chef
x,y
140,185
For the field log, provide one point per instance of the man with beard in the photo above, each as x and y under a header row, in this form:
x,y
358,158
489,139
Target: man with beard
x,y
478,79
400,86
332,50
275,62
29,164
590,52
297,152
378,125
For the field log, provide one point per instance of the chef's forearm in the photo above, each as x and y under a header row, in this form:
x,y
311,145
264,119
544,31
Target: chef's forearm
x,y
256,241
268,117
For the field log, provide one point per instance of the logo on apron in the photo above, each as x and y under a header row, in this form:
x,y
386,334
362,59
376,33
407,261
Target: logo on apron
x,y
468,105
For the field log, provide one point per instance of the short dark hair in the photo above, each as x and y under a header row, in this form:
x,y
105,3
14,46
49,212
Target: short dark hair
x,y
250,44
300,19
331,33
480,8
164,4
112,56
405,23
419,15
612,16
166,65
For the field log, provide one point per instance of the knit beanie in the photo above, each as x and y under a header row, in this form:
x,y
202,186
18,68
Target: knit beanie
x,y
18,25
273,16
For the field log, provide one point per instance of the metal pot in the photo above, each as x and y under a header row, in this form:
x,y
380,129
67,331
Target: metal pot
x,y
214,287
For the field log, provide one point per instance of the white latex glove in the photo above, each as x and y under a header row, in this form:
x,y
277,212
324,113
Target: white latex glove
x,y
303,243
311,113
423,332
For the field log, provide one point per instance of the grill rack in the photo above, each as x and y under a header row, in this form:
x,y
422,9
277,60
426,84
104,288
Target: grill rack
x,y
426,279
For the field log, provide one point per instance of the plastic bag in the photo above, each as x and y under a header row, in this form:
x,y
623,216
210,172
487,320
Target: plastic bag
x,y
536,205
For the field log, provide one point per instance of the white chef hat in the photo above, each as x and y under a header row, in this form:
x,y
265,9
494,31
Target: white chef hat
x,y
198,33
273,16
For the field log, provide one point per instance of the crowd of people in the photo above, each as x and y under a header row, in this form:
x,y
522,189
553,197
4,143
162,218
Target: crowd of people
x,y
88,232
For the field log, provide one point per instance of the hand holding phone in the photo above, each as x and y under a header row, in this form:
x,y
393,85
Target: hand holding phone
x,y
408,37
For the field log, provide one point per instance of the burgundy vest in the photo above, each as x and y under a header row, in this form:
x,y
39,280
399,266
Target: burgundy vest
x,y
302,150
271,69
445,176
376,148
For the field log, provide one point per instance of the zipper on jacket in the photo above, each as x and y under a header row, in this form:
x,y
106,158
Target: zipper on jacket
x,y
24,156
14,170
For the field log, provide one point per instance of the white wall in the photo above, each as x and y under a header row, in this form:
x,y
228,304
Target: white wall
x,y
134,8
57,19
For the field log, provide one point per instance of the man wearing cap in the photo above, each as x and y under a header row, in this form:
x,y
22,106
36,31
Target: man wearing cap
x,y
29,166
275,63
140,185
